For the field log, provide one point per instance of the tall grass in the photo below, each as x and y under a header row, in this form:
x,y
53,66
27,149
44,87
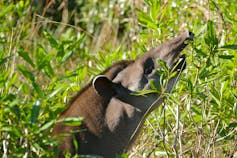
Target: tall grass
x,y
49,51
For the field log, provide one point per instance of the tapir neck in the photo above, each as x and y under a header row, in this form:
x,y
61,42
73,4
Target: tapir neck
x,y
125,121
122,120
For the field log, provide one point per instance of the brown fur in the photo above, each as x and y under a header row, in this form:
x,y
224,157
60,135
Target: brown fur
x,y
93,126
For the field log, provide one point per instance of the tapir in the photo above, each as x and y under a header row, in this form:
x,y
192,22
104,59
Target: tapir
x,y
112,114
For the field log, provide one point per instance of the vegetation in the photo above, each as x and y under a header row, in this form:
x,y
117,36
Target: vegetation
x,y
50,49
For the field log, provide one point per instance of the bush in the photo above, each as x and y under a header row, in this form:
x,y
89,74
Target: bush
x,y
48,51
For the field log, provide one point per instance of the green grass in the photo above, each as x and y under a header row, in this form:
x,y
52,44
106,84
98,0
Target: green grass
x,y
46,59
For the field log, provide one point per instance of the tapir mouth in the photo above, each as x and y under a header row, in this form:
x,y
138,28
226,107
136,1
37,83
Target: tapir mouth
x,y
180,63
171,49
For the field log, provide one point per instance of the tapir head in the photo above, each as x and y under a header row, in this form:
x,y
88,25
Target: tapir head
x,y
137,75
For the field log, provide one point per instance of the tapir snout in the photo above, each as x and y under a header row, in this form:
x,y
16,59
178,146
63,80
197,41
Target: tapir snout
x,y
138,75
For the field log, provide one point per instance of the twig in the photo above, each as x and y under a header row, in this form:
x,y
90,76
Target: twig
x,y
163,133
47,7
46,20
177,131
64,6
5,144
212,138
222,23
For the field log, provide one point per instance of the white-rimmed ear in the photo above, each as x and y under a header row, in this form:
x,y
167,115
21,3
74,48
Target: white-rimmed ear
x,y
103,86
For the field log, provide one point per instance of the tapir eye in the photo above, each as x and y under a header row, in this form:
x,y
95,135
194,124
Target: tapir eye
x,y
148,66
148,70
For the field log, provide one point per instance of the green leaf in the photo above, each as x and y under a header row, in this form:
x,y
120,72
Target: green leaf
x,y
211,39
190,86
15,108
67,56
71,121
122,156
49,70
11,129
196,110
146,20
155,86
163,65
204,73
215,95
226,56
200,53
75,143
4,60
6,9
173,74
47,125
227,47
155,9
60,53
51,95
35,112
144,92
30,76
173,99
233,125
26,57
82,37
197,118
211,32
53,43
26,73
38,89
161,153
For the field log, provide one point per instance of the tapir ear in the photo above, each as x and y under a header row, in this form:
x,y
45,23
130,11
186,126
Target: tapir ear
x,y
103,86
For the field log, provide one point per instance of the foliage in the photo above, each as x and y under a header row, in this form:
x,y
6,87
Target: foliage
x,y
49,51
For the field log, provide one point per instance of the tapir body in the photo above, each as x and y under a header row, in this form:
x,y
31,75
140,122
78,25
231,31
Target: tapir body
x,y
112,113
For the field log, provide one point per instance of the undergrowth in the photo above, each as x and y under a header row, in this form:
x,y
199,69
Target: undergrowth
x,y
48,51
